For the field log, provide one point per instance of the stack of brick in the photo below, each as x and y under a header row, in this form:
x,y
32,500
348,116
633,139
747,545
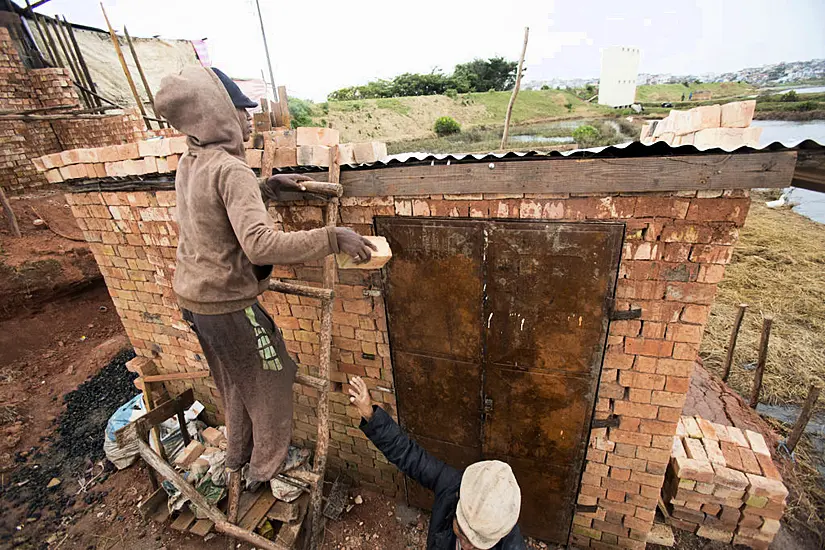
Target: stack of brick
x,y
151,156
724,126
722,484
307,146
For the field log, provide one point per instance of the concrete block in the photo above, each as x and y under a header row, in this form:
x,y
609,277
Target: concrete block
x,y
708,116
346,153
286,138
53,176
253,157
38,164
172,161
127,151
317,136
714,534
156,147
177,145
696,470
55,160
713,451
190,454
723,138
313,155
379,257
678,449
738,436
213,437
738,114
72,156
757,443
108,154
752,135
761,486
368,152
87,156
727,477
286,156
691,427
695,449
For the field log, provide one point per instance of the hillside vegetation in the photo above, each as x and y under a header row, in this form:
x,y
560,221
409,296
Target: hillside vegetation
x,y
412,118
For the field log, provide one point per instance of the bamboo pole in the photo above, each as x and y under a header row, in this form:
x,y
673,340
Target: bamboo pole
x,y
804,416
40,32
58,60
12,219
141,73
763,359
58,32
125,68
506,133
82,61
734,335
266,49
72,53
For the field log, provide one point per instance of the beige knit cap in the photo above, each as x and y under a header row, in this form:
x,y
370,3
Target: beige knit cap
x,y
489,503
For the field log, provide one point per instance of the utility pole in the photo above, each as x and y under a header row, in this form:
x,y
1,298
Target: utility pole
x,y
266,49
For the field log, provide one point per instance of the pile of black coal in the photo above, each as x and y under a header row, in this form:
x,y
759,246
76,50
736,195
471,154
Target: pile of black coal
x,y
73,452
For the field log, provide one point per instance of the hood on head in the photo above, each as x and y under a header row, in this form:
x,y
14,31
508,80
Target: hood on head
x,y
195,103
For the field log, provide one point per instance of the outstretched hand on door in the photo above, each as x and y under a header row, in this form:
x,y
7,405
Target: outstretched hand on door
x,y
360,397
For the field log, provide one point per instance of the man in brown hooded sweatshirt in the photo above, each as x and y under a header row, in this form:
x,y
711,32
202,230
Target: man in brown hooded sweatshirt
x,y
227,244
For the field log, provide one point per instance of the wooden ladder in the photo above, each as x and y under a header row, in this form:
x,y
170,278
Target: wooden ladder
x,y
331,191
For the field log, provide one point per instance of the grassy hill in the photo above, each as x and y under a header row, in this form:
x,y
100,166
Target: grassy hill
x,y
412,118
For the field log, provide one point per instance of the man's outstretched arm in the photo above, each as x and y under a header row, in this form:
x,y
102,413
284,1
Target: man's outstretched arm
x,y
395,445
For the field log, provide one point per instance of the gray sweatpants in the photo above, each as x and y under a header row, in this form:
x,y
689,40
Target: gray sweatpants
x,y
254,374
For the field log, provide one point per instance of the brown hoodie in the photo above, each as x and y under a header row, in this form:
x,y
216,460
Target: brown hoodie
x,y
227,242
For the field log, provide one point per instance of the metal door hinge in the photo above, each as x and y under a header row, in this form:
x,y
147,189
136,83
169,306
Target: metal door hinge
x,y
611,421
372,292
623,314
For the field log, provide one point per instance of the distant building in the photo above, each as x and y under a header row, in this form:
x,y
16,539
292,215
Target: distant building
x,y
701,95
620,70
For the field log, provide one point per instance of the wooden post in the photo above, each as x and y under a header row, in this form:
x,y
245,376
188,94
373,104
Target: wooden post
x,y
126,72
72,56
283,107
734,335
58,61
763,358
40,32
804,416
58,32
13,227
82,62
141,73
506,133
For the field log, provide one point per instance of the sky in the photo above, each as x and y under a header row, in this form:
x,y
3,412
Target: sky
x,y
319,46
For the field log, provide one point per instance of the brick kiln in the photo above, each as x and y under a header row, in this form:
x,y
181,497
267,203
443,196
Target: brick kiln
x,y
545,310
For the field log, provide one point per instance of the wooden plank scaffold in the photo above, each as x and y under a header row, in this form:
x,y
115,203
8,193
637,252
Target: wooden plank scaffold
x,y
246,512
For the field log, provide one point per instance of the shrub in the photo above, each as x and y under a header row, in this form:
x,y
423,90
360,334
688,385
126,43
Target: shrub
x,y
445,126
569,107
300,112
452,93
790,96
586,135
545,87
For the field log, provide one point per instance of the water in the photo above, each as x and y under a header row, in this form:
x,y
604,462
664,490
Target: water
x,y
815,430
542,139
811,90
808,203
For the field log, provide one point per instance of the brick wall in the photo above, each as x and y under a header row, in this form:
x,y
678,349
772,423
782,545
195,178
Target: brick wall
x,y
675,252
21,141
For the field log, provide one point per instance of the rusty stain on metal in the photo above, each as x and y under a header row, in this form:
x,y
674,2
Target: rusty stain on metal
x,y
497,329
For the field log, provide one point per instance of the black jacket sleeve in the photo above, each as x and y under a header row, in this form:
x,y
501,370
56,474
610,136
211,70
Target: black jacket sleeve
x,y
406,454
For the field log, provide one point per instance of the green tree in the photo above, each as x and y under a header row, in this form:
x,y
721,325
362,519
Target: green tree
x,y
445,125
586,135
479,75
545,87
300,112
790,96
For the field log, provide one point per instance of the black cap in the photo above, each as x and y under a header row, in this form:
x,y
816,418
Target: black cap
x,y
239,100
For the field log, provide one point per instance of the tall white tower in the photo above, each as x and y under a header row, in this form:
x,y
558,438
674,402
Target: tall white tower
x,y
620,68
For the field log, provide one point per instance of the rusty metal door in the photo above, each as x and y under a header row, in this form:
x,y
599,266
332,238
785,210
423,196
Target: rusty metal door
x,y
528,310
548,286
434,285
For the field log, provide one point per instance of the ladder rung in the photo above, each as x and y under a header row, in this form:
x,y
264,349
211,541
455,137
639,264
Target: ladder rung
x,y
313,381
323,188
302,290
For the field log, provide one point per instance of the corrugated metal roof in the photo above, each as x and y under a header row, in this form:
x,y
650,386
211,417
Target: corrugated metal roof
x,y
629,149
